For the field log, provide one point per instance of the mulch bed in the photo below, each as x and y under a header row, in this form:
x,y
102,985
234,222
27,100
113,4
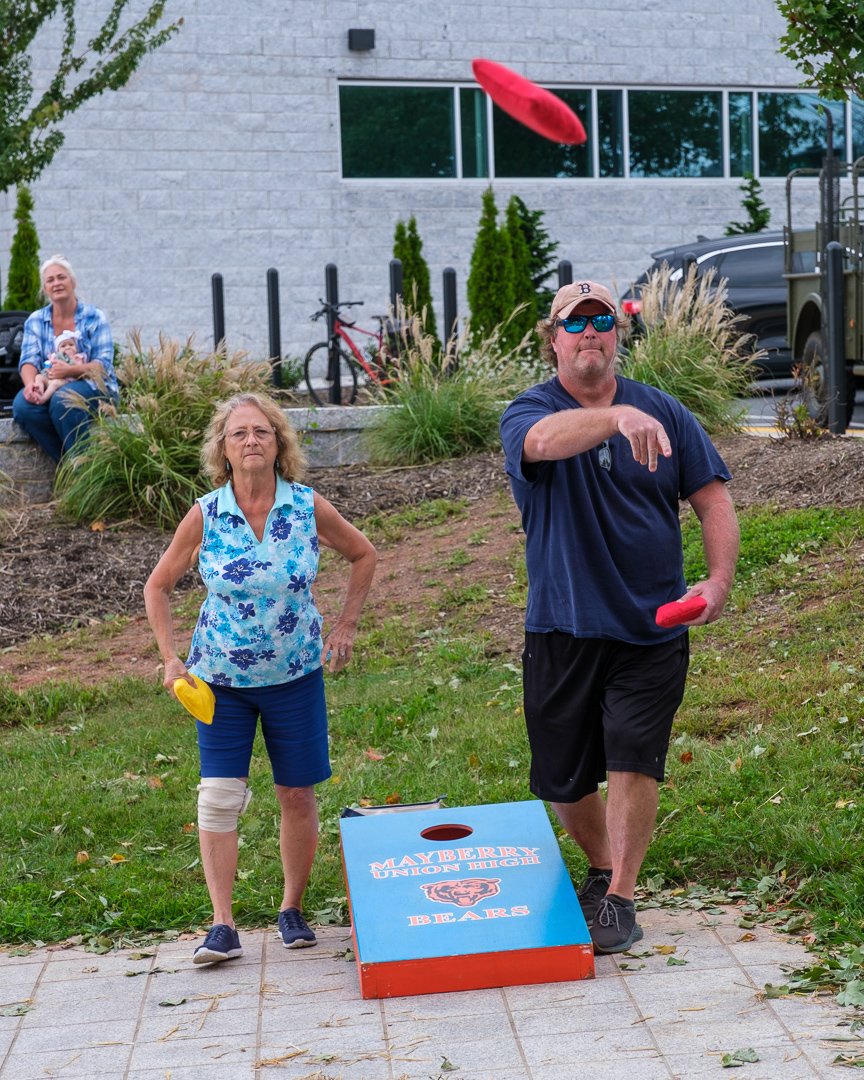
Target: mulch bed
x,y
55,575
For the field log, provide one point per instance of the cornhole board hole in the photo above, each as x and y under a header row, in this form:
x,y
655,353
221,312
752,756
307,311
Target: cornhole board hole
x,y
461,898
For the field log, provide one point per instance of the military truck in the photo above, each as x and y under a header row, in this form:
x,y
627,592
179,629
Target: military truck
x,y
841,218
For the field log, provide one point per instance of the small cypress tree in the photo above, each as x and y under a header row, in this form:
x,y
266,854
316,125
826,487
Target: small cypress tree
x,y
416,287
523,282
758,214
490,281
542,251
23,288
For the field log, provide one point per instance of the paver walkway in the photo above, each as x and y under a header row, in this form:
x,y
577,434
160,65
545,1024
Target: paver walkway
x,y
279,1013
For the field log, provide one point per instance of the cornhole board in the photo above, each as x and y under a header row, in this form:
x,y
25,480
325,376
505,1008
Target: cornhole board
x,y
461,898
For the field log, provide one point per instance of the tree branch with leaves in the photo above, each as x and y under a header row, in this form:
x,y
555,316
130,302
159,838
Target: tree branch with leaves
x,y
825,41
30,132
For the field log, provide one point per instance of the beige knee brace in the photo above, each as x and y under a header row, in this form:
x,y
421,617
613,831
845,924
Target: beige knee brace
x,y
221,801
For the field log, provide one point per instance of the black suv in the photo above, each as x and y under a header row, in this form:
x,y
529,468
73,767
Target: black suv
x,y
753,267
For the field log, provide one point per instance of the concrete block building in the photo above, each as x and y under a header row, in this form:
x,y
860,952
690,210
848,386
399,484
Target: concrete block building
x,y
295,133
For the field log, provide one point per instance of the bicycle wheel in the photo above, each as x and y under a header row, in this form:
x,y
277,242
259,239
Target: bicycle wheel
x,y
319,377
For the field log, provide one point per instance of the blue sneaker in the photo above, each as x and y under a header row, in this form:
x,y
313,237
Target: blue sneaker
x,y
295,930
222,943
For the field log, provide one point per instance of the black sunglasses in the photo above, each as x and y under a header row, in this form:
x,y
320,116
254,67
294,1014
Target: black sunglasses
x,y
577,323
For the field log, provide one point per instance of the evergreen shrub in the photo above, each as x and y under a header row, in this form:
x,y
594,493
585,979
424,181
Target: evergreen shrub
x,y
490,286
23,286
416,284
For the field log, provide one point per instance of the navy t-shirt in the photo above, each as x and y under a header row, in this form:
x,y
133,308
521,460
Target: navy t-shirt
x,y
603,539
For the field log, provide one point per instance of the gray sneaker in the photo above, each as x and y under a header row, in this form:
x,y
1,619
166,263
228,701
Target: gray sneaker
x,y
615,928
591,892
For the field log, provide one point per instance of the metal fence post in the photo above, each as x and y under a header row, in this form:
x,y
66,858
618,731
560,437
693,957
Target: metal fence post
x,y
451,323
331,292
274,324
565,273
218,295
396,293
836,373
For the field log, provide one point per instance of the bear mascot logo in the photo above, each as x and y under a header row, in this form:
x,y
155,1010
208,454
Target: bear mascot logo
x,y
462,893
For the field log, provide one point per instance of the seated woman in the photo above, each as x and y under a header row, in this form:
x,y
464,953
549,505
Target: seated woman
x,y
58,422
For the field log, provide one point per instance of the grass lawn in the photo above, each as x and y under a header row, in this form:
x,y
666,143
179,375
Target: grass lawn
x,y
763,802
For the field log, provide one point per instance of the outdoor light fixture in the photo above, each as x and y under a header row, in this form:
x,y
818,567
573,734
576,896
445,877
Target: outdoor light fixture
x,y
361,40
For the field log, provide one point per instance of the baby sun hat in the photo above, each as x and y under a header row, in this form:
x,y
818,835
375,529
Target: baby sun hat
x,y
65,335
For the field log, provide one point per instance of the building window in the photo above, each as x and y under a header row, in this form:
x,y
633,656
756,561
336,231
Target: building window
x,y
610,132
675,133
857,128
475,133
401,131
397,132
740,133
792,132
519,152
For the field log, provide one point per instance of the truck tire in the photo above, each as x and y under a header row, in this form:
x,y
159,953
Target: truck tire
x,y
814,380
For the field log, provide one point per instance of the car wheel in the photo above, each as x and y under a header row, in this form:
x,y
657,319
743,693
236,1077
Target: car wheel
x,y
814,381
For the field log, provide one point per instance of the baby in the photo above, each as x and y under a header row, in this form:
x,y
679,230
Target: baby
x,y
50,378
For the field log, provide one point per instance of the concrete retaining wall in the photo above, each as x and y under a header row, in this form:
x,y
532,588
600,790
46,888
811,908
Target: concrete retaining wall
x,y
331,436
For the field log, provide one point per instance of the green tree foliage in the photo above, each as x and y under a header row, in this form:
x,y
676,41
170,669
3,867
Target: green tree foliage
x,y
30,135
491,296
23,287
758,214
541,251
416,288
825,41
523,321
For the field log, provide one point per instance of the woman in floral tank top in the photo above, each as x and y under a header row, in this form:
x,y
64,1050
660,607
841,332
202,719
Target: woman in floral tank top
x,y
258,645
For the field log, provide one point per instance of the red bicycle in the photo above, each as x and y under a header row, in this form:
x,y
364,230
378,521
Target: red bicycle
x,y
375,366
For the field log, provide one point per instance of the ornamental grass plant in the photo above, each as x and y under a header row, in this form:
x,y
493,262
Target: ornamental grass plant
x,y
142,461
690,345
448,401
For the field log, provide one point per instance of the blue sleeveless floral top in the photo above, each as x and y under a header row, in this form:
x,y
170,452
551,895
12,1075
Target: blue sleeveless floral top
x,y
258,625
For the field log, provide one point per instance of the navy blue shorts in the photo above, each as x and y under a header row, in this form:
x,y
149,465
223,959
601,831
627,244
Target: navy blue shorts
x,y
594,706
293,723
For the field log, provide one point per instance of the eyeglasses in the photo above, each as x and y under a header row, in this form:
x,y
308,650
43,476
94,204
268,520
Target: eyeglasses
x,y
262,434
577,323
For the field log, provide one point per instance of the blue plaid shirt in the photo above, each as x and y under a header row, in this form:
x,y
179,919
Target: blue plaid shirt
x,y
94,340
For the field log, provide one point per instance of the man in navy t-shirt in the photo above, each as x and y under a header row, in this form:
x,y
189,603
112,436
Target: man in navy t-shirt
x,y
598,465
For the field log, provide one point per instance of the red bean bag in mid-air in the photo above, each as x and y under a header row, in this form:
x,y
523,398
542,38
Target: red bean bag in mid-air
x,y
536,108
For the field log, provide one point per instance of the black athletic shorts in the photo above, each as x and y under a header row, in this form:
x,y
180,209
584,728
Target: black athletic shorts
x,y
594,706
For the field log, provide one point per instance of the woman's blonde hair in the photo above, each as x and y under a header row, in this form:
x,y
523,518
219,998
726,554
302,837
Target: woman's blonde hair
x,y
547,328
290,459
57,260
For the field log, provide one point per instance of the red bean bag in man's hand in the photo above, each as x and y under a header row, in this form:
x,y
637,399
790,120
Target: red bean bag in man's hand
x,y
529,103
680,611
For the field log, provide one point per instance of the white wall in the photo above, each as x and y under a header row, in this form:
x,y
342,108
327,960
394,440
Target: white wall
x,y
222,153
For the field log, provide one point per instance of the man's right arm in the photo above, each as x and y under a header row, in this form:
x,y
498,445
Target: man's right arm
x,y
573,431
